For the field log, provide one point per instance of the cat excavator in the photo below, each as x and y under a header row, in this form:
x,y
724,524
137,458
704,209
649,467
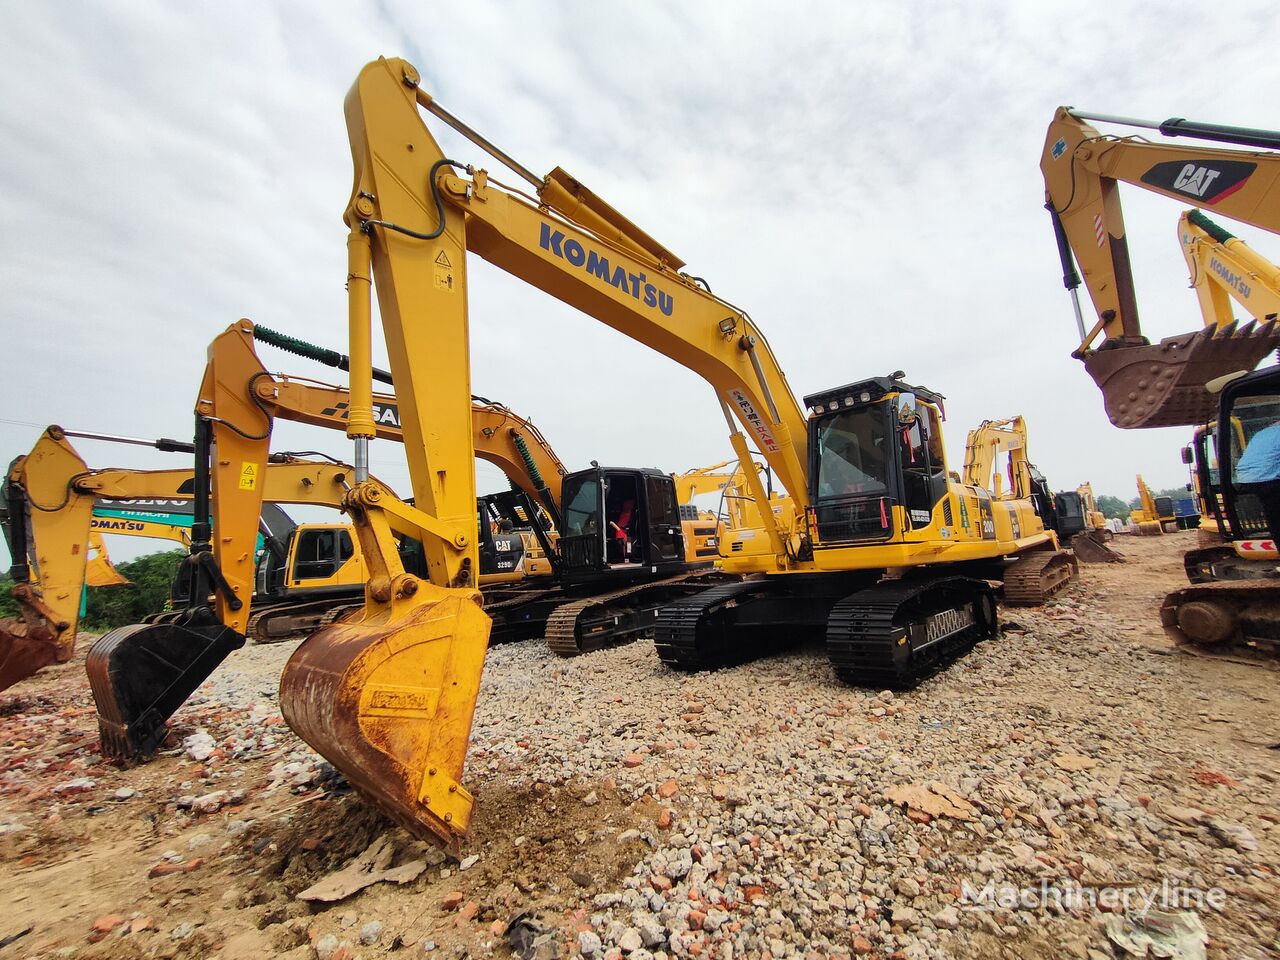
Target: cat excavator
x,y
388,696
1161,384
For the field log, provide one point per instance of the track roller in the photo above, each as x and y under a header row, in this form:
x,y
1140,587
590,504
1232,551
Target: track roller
x,y
898,632
1034,577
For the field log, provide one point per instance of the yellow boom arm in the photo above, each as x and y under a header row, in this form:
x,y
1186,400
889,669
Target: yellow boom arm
x,y
1224,268
1160,384
982,449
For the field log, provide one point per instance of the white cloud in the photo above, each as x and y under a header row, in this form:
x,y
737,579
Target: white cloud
x,y
862,178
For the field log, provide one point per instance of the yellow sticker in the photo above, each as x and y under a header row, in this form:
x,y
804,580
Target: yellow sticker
x,y
444,278
248,475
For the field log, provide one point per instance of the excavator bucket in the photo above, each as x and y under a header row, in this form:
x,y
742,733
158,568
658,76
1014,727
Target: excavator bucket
x,y
32,640
388,700
1092,549
142,673
1163,384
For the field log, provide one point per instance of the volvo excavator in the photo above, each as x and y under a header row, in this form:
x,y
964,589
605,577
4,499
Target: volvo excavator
x,y
1161,384
388,696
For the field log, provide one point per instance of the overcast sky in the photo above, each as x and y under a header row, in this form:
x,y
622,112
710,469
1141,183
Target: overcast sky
x,y
863,179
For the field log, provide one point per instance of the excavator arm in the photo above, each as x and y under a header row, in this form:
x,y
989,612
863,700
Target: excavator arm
x,y
53,492
1224,268
982,449
240,400
389,698
1152,385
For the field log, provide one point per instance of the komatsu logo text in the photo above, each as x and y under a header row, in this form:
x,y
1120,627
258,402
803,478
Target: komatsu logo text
x,y
1230,277
636,284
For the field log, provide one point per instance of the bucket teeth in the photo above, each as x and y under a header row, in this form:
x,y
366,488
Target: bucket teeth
x,y
389,703
142,673
1163,384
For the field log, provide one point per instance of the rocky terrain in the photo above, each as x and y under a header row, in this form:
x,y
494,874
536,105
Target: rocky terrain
x,y
628,811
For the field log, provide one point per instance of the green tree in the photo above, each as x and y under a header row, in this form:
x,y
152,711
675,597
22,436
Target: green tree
x,y
150,579
8,605
1113,508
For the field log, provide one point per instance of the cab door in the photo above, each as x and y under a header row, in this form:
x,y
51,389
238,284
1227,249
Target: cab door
x,y
666,539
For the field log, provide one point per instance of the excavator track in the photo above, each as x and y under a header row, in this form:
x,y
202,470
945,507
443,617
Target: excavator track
x,y
522,615
1034,577
1233,618
287,621
899,632
693,633
1199,564
606,620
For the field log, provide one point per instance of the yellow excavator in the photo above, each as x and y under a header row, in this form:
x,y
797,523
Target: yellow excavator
x,y
582,602
1069,514
1154,514
388,696
1232,605
1224,268
737,507
1095,520
1161,384
50,496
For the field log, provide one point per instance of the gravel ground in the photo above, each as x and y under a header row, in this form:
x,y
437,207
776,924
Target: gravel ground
x,y
760,811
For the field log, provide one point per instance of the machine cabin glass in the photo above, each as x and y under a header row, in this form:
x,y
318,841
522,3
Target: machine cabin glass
x,y
869,457
582,540
320,553
1250,474
620,521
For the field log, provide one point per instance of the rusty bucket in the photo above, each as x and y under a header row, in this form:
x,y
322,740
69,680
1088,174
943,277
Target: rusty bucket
x,y
33,640
1163,384
389,699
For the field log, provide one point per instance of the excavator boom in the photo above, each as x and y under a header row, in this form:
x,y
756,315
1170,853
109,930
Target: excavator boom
x,y
370,694
1144,384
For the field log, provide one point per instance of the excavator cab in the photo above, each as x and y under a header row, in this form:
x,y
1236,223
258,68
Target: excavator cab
x,y
620,523
874,445
1247,478
501,548
1070,513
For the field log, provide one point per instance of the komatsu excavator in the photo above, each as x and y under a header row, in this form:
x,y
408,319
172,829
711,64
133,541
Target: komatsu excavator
x,y
1224,268
737,507
388,697
1154,513
1233,603
1161,384
1065,513
581,600
1006,440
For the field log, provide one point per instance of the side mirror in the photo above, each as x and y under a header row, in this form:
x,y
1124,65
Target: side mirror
x,y
1189,488
1188,457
